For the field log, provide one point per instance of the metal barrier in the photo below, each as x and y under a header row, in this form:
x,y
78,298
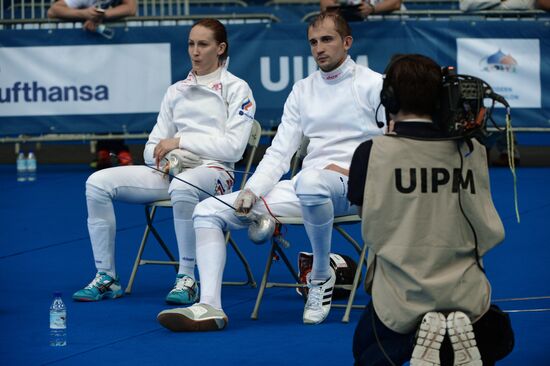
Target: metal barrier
x,y
32,14
37,9
46,23
452,14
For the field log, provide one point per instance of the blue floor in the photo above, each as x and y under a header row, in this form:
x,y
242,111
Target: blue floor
x,y
44,248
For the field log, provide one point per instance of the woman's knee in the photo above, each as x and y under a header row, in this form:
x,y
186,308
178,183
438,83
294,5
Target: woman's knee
x,y
96,192
98,180
184,194
98,185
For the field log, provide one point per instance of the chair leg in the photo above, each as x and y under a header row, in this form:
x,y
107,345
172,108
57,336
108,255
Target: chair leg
x,y
250,277
356,278
263,283
283,256
160,241
150,215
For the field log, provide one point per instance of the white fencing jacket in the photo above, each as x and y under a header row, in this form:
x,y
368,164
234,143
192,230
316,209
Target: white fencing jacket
x,y
213,121
335,110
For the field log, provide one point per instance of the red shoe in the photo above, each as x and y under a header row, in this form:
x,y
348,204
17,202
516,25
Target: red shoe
x,y
103,159
125,158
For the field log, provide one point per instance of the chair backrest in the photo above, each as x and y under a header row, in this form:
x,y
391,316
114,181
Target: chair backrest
x,y
253,142
299,156
255,134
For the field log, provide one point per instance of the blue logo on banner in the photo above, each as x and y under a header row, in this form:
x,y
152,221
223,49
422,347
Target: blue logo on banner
x,y
499,61
22,92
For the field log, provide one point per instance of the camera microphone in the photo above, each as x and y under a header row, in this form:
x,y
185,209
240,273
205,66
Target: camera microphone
x,y
378,123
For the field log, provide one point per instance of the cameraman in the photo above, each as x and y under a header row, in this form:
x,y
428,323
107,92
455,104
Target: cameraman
x,y
428,217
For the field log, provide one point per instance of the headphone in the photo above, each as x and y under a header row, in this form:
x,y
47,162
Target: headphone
x,y
387,95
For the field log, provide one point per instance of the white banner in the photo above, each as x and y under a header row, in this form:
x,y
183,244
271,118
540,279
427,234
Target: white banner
x,y
67,80
510,66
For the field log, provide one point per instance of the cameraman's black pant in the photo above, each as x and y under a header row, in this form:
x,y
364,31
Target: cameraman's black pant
x,y
494,336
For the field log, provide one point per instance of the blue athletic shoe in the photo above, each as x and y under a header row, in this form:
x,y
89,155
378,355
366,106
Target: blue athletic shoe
x,y
185,291
102,287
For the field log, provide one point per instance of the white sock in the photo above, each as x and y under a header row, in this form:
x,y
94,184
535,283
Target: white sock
x,y
185,235
211,255
102,229
318,220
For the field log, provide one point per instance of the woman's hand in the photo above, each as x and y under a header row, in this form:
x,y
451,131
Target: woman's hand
x,y
164,147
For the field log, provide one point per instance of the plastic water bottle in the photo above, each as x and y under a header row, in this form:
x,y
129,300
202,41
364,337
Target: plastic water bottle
x,y
105,31
21,163
31,167
58,321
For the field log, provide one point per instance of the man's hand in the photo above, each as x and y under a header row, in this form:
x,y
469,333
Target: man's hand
x,y
164,147
366,9
244,202
90,25
93,14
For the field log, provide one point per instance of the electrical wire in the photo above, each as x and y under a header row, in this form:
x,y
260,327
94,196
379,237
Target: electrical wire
x,y
186,182
476,245
510,146
373,314
269,211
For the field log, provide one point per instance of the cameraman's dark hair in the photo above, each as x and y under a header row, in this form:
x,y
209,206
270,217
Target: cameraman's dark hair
x,y
220,33
416,82
341,25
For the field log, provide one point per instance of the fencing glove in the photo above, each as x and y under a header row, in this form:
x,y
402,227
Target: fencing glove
x,y
244,202
179,160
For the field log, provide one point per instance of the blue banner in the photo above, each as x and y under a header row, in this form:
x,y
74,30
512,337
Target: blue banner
x,y
123,92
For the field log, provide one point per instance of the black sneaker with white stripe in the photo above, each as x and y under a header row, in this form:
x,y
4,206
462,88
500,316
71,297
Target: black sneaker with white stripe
x,y
319,299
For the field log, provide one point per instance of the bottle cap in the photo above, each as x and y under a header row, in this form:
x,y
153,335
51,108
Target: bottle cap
x,y
57,294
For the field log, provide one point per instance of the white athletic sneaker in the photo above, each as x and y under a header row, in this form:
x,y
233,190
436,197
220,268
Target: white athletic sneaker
x,y
461,334
428,340
318,299
194,318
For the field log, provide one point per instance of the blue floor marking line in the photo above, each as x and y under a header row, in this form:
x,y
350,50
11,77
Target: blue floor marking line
x,y
524,212
42,248
103,345
250,300
73,240
522,298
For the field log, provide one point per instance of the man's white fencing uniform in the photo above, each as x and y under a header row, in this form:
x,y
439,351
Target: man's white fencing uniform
x,y
336,111
213,116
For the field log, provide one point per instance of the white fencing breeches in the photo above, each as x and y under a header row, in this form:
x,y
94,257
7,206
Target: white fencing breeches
x,y
140,184
311,187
